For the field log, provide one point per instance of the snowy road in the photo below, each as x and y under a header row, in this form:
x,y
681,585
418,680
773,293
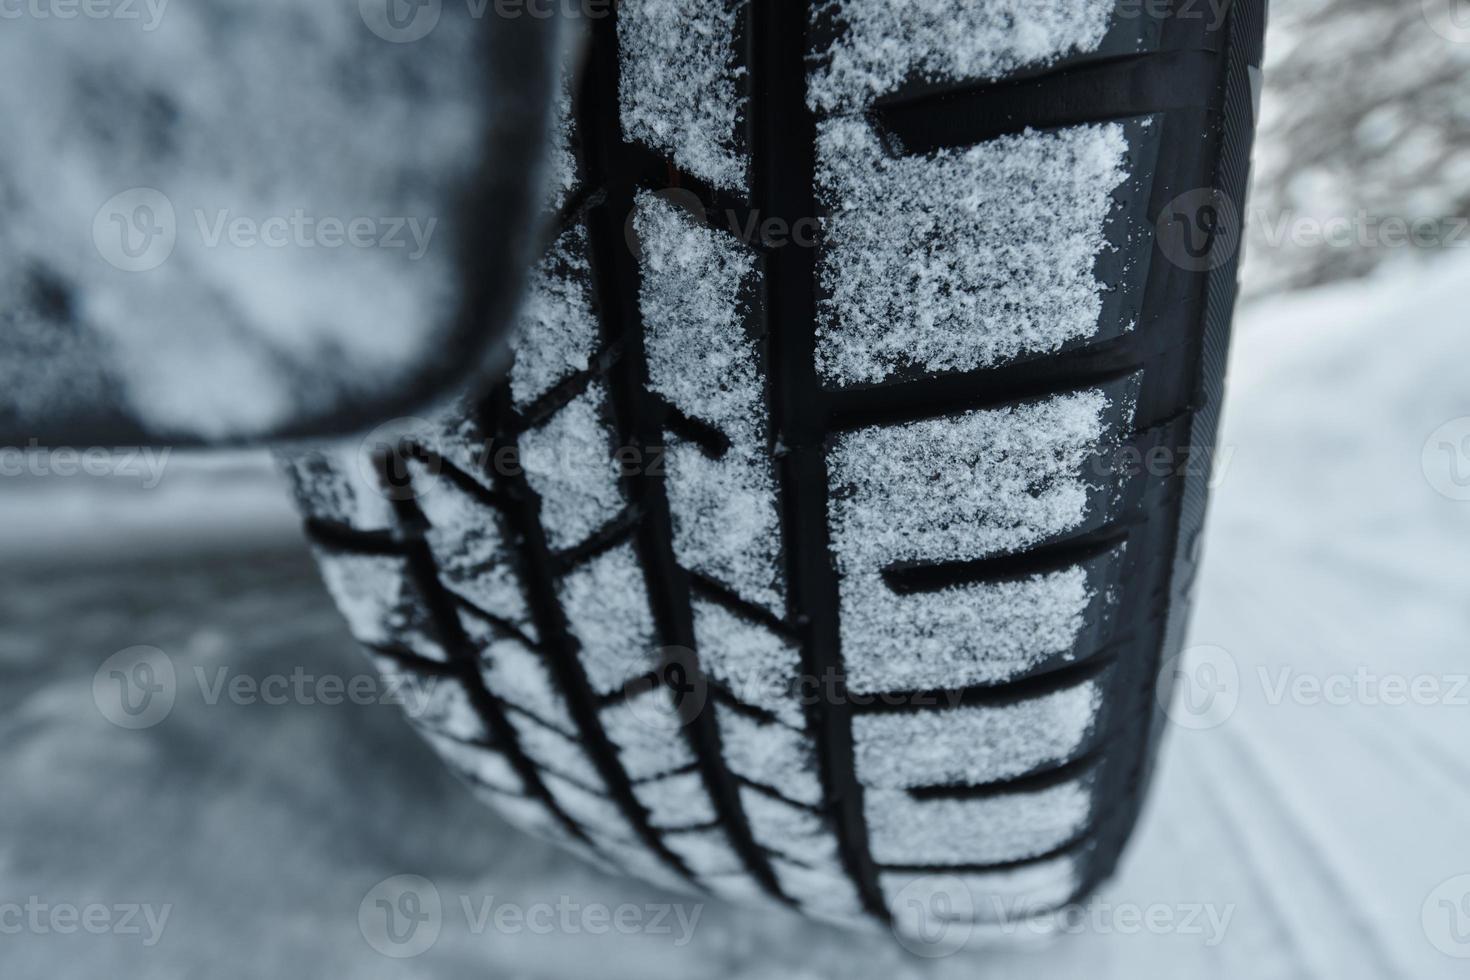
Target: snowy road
x,y
1310,817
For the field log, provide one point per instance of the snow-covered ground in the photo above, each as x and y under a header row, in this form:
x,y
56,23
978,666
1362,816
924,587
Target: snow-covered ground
x,y
1311,806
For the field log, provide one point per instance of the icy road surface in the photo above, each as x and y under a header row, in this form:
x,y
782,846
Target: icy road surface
x,y
1311,811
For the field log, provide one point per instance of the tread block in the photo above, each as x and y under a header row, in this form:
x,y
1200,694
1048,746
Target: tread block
x,y
974,745
471,545
681,88
824,893
882,47
786,829
1005,895
445,708
958,488
750,661
648,733
333,482
606,603
380,604
996,246
518,675
676,801
707,853
587,809
772,755
570,463
992,829
557,332
554,751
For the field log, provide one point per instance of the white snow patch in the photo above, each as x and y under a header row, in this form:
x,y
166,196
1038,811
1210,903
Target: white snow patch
x,y
961,635
553,750
973,745
372,594
569,462
587,809
331,482
606,602
1006,896
681,86
787,829
886,44
676,801
562,162
648,733
471,548
963,259
699,355
523,813
726,524
772,755
557,332
984,830
705,852
753,663
825,893
518,675
445,708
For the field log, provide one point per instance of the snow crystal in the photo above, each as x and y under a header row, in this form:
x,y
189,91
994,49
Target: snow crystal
x,y
518,675
885,45
681,87
676,801
973,745
477,764
963,259
562,162
726,524
587,809
705,852
372,593
985,830
700,356
753,663
569,462
606,603
557,332
993,895
649,734
553,750
771,755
